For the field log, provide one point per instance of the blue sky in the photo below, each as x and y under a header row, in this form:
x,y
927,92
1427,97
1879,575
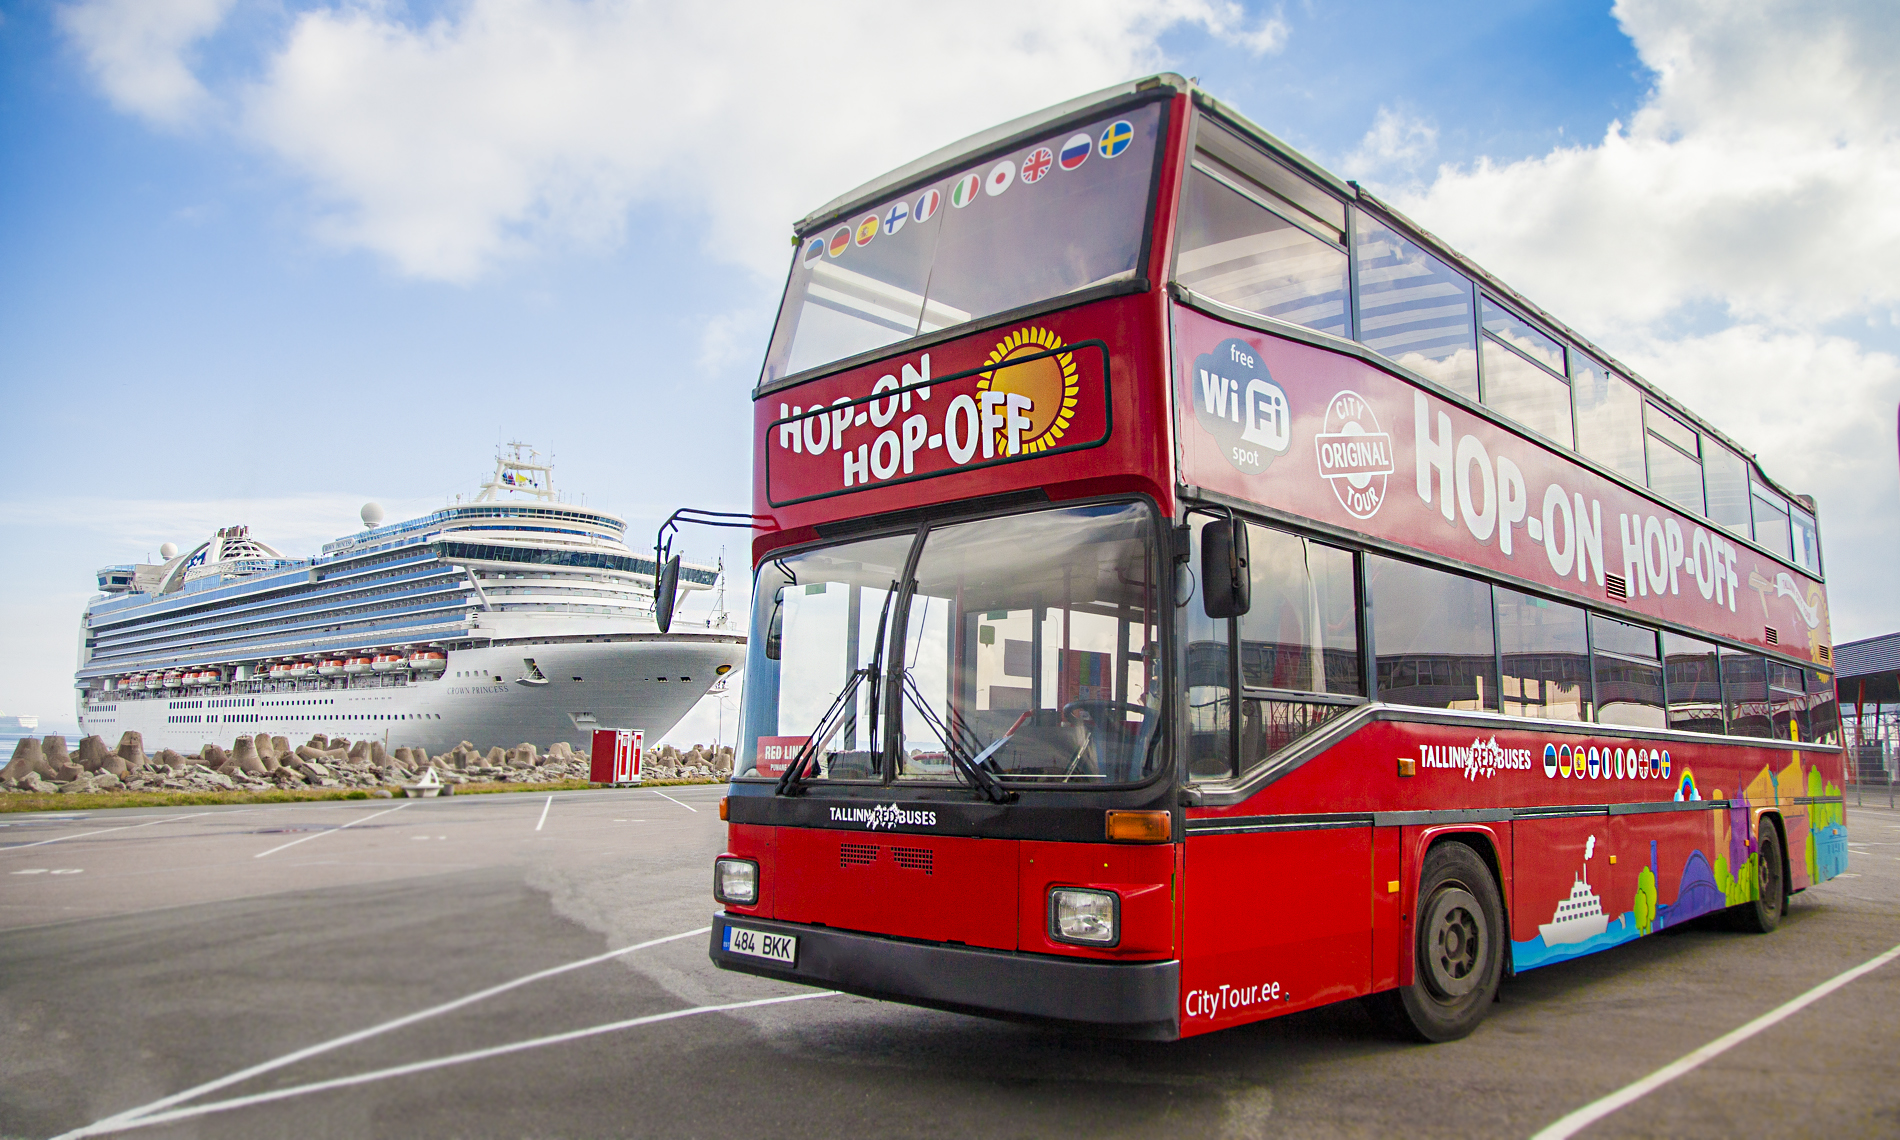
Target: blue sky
x,y
263,260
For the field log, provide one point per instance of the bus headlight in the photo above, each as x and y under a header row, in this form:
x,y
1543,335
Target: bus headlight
x,y
1089,918
736,881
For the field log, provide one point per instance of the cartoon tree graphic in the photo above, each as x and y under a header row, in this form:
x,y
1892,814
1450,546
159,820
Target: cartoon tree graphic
x,y
1645,905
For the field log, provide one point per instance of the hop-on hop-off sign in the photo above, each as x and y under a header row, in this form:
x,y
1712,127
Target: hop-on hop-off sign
x,y
1033,395
617,756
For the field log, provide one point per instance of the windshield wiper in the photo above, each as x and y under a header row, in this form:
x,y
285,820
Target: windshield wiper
x,y
791,781
973,769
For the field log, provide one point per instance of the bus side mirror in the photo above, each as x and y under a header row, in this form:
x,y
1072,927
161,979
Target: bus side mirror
x,y
1226,583
666,593
775,627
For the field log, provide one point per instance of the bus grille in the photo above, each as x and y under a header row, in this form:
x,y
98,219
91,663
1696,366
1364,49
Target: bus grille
x,y
857,854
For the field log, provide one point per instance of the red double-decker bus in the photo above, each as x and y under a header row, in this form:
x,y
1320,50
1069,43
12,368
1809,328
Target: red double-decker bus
x,y
1188,592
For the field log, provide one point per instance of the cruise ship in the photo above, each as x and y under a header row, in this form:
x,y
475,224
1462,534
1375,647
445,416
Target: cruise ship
x,y
515,617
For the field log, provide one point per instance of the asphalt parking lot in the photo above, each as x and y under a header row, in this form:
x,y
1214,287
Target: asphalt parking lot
x,y
527,965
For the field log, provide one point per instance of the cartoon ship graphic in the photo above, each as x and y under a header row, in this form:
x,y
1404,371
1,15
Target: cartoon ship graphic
x,y
1580,916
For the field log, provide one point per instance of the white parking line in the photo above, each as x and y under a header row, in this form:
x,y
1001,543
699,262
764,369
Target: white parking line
x,y
438,1063
315,834
544,812
121,1120
664,796
101,831
1597,1110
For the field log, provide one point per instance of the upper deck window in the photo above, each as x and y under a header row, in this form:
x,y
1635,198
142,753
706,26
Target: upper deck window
x,y
1258,236
1524,374
1051,217
1609,417
1675,460
1414,308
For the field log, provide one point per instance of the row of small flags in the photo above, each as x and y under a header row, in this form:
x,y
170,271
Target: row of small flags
x,y
1113,141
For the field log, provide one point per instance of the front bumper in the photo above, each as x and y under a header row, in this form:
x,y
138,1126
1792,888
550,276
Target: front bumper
x,y
1132,999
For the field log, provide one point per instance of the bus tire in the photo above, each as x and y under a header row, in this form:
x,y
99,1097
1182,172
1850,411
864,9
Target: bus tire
x,y
1458,950
1771,885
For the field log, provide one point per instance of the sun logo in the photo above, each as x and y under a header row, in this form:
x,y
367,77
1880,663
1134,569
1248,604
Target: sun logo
x,y
1048,381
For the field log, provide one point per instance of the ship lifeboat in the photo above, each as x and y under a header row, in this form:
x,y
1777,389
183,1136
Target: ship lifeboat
x,y
387,662
192,679
358,665
129,681
428,660
280,671
331,667
302,670
172,679
154,681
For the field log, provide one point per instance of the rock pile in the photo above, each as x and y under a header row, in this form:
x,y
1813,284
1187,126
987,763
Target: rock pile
x,y
261,762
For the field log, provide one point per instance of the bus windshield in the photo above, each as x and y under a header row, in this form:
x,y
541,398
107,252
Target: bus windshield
x,y
1030,647
1051,217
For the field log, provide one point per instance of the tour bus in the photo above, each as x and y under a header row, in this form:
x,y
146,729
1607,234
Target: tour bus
x,y
1188,592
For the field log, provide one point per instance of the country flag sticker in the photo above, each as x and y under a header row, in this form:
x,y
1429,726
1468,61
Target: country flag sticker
x,y
927,205
895,217
1075,152
1117,137
1001,175
964,191
840,241
867,229
1596,763
814,249
1037,164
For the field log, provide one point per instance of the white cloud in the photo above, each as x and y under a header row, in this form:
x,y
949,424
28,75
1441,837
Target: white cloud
x,y
1762,174
136,50
515,123
1397,142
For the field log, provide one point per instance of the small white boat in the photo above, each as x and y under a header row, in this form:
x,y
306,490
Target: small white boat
x,y
387,662
356,666
331,667
429,787
428,661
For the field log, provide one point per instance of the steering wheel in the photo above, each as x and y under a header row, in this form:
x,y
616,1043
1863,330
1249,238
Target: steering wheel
x,y
1107,707
1095,717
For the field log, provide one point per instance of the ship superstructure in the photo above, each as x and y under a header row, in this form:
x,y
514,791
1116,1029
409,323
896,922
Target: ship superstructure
x,y
514,617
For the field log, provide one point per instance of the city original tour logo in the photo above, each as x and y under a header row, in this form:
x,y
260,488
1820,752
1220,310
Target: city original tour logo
x,y
1355,456
883,816
1238,404
1030,375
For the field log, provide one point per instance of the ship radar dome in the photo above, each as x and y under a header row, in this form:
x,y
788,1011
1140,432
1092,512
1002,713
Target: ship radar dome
x,y
372,514
168,551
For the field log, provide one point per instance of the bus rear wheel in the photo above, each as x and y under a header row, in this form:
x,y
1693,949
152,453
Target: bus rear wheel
x,y
1458,953
1771,890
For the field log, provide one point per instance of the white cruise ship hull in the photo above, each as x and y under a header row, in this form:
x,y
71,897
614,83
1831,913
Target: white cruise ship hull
x,y
487,695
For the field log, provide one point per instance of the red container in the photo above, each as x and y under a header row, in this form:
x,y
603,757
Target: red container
x,y
617,754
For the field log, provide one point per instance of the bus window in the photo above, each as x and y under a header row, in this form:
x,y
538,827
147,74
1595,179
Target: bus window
x,y
1807,540
1824,709
1609,417
1524,375
1244,245
1675,460
1771,522
821,613
1745,692
1629,674
1788,702
1546,657
1032,643
1299,635
1013,229
1210,693
1414,308
1432,633
1693,684
1302,630
1725,477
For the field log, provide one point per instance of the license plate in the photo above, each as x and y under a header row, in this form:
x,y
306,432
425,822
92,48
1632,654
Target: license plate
x,y
759,944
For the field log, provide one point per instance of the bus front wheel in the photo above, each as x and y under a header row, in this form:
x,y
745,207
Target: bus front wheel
x,y
1458,950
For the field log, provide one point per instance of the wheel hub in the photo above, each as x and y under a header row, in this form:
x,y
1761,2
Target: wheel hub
x,y
1454,942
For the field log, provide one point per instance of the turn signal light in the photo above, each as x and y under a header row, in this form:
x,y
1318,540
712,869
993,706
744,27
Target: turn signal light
x,y
722,808
1140,826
